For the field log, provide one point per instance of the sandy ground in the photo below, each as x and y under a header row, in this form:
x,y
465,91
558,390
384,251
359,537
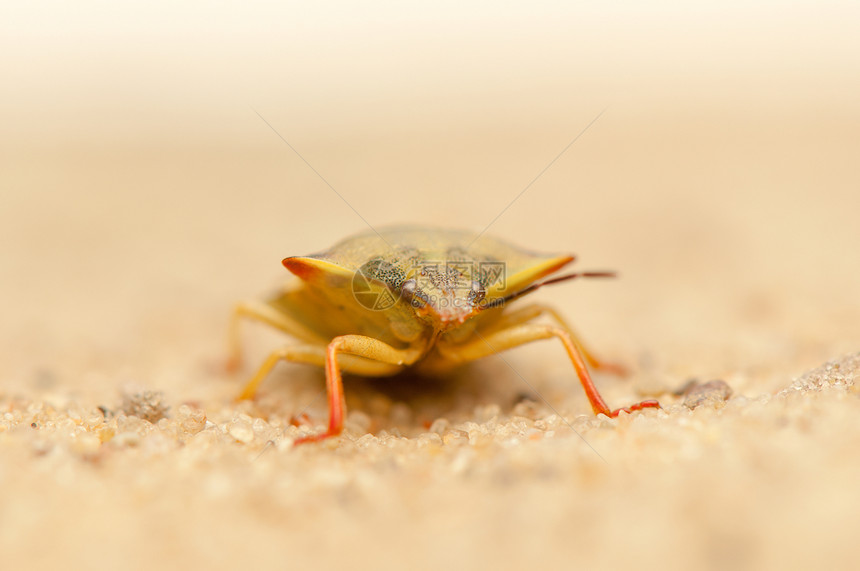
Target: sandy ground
x,y
144,191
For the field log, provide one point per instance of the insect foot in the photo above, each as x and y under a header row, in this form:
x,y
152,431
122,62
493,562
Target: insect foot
x,y
651,403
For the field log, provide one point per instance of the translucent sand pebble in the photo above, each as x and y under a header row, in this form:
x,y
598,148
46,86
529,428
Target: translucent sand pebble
x,y
241,430
190,420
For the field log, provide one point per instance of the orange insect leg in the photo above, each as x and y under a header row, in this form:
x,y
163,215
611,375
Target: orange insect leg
x,y
336,401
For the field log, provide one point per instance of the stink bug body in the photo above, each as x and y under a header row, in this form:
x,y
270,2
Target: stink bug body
x,y
379,302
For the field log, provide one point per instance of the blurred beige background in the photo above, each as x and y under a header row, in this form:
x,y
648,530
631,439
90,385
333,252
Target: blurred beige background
x,y
141,194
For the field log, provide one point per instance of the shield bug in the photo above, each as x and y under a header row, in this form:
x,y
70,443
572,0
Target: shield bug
x,y
379,302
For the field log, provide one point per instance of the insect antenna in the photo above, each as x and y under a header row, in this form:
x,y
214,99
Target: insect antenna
x,y
566,277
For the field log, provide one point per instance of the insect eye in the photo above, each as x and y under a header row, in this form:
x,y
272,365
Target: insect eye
x,y
410,293
477,292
